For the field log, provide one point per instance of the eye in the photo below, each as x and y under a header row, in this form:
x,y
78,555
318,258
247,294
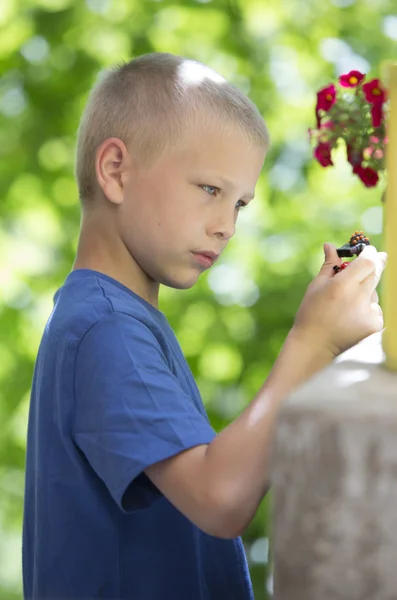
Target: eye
x,y
242,205
211,190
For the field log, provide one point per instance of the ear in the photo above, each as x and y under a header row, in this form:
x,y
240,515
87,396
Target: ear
x,y
111,164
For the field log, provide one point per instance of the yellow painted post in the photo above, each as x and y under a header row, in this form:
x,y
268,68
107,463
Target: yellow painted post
x,y
390,225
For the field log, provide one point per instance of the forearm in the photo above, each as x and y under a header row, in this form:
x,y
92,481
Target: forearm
x,y
238,458
219,486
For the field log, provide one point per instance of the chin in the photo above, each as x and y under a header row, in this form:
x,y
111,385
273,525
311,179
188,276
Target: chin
x,y
181,283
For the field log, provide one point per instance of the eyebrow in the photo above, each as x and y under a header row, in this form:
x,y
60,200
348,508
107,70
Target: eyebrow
x,y
227,182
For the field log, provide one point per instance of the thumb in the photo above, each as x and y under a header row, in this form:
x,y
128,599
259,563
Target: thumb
x,y
331,259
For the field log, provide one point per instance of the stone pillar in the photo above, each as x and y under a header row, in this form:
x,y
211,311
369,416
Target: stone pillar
x,y
334,482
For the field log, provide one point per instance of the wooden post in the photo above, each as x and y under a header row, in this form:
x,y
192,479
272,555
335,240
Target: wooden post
x,y
390,221
334,482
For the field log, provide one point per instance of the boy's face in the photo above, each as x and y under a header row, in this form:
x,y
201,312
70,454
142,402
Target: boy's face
x,y
187,203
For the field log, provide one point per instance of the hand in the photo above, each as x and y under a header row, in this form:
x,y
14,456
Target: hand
x,y
339,310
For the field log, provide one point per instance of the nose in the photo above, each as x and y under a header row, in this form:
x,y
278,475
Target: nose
x,y
224,226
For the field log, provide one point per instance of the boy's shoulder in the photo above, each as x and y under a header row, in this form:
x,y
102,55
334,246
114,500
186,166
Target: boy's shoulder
x,y
89,297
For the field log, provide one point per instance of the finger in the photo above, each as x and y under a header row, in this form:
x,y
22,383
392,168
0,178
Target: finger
x,y
372,281
375,298
362,267
378,314
330,260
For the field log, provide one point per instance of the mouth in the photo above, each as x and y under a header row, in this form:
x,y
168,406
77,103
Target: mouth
x,y
206,259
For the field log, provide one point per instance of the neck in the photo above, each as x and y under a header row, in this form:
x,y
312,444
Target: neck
x,y
101,249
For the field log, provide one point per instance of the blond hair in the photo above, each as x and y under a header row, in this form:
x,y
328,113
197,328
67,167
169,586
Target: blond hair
x,y
150,103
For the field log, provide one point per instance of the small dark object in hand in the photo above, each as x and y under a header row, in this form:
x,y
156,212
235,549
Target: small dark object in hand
x,y
355,246
347,251
338,268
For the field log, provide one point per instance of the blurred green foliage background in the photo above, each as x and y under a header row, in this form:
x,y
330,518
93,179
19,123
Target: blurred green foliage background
x,y
232,324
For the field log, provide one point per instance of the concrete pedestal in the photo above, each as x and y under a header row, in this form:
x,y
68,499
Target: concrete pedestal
x,y
335,483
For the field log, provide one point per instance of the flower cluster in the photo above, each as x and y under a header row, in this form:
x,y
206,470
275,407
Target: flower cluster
x,y
356,114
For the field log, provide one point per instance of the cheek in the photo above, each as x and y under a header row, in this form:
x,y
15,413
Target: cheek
x,y
167,214
186,227
178,216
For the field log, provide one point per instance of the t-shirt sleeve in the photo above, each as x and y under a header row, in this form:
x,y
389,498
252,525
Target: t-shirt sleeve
x,y
130,410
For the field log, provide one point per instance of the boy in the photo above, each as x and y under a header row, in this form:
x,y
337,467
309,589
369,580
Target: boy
x,y
130,493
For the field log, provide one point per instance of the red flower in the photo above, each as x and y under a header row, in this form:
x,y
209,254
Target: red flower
x,y
377,114
325,99
368,176
343,117
374,92
327,125
351,79
323,154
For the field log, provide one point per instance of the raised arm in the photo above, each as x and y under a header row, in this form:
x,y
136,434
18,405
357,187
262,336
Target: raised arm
x,y
219,486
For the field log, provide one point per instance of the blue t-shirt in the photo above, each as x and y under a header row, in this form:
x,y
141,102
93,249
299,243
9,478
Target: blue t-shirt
x,y
112,394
